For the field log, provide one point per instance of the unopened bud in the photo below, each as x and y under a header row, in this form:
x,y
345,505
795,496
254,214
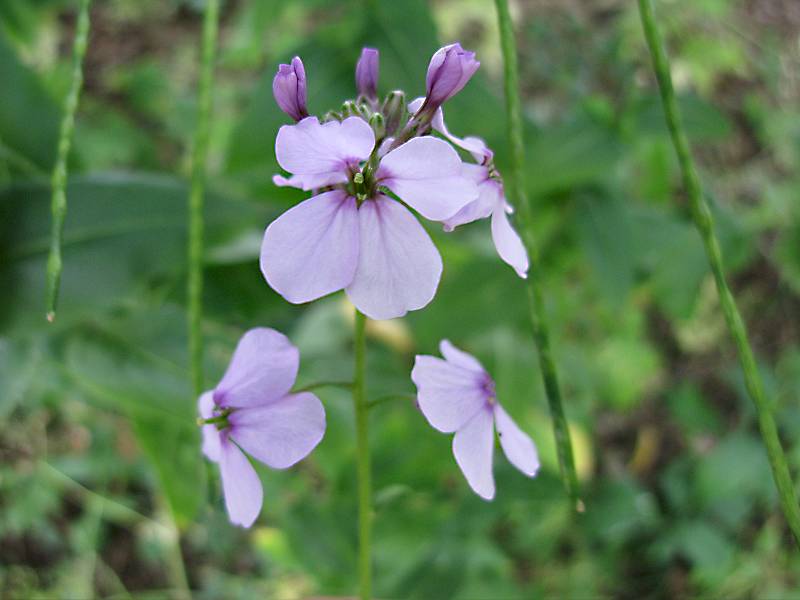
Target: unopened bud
x,y
378,124
394,111
289,89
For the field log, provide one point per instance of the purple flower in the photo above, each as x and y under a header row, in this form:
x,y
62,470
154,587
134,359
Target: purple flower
x,y
367,73
353,236
491,201
449,71
458,395
289,89
253,411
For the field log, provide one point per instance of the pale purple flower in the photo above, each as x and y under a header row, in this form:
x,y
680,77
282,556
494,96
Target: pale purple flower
x,y
354,236
449,71
255,412
491,201
367,73
458,395
289,89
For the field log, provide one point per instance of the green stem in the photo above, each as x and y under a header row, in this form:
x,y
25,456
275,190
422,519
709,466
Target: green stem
x,y
198,175
705,226
519,196
345,385
361,408
58,203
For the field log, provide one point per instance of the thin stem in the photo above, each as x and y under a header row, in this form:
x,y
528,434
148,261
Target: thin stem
x,y
391,398
346,385
198,175
519,195
58,202
361,408
705,226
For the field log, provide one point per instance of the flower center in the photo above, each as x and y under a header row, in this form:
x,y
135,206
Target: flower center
x,y
219,420
362,185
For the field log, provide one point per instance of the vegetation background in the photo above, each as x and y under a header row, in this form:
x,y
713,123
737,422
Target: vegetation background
x,y
102,487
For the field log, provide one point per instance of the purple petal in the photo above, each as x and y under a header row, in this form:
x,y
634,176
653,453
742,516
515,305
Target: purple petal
x,y
289,89
241,485
508,243
517,445
426,174
489,196
398,265
281,433
460,358
449,71
473,446
321,153
211,435
263,369
367,73
448,395
311,250
474,145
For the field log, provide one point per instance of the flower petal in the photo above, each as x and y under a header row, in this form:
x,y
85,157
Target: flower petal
x,y
281,433
448,395
460,358
241,485
398,266
489,196
320,153
426,174
311,250
472,144
211,435
263,369
517,445
473,446
508,243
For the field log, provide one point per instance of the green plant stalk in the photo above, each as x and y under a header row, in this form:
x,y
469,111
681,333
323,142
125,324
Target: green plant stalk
x,y
58,202
705,226
196,196
519,196
361,408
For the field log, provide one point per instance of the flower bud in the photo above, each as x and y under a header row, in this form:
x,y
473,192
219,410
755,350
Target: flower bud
x,y
367,74
395,111
289,89
378,124
449,71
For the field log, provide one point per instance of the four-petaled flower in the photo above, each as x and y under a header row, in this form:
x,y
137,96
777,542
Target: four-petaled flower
x,y
354,236
458,395
252,410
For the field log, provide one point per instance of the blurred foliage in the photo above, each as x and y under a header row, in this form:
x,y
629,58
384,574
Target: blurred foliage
x,y
100,458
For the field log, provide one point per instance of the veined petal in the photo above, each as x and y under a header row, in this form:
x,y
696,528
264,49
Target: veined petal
x,y
311,250
517,445
473,447
460,358
241,485
449,395
320,153
398,265
426,174
281,433
211,435
263,369
507,241
489,196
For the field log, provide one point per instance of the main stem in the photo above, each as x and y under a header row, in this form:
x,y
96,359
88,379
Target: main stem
x,y
705,225
58,203
363,460
517,191
196,193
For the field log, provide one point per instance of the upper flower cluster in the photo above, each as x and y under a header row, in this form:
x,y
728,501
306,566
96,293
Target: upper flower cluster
x,y
367,164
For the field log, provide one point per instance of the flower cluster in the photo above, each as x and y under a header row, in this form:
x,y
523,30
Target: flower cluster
x,y
368,166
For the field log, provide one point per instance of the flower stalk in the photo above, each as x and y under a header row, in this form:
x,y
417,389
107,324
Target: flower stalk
x,y
705,226
196,195
58,203
361,408
517,191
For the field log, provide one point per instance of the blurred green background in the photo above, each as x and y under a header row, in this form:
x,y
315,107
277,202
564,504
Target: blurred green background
x,y
100,470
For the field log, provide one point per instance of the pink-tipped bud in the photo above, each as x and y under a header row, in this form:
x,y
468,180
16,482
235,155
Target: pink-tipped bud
x,y
449,71
289,89
367,73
